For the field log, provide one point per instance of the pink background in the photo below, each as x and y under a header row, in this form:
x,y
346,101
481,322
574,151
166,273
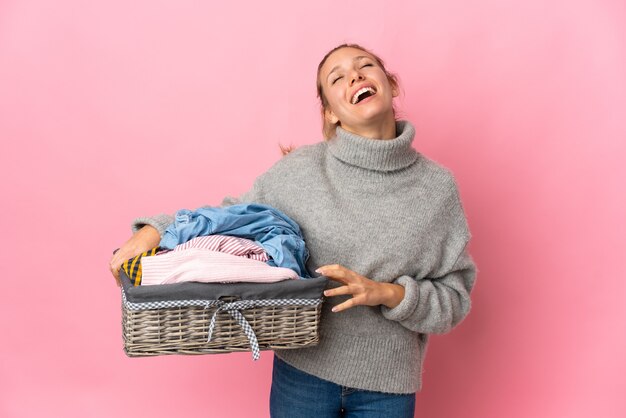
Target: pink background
x,y
112,110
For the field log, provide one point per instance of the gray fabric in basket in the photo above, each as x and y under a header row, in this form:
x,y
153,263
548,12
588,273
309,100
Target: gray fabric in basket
x,y
286,289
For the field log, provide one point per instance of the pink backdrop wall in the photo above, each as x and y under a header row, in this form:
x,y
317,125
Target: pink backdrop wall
x,y
111,110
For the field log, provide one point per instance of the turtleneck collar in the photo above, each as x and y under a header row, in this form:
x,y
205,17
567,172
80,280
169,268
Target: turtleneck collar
x,y
375,154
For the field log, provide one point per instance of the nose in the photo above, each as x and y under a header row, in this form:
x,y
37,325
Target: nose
x,y
356,76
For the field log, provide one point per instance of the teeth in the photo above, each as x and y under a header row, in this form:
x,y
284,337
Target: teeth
x,y
355,98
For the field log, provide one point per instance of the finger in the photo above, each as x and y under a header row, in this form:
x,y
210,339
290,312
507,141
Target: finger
x,y
355,301
116,262
341,280
337,291
115,271
115,265
330,268
344,305
336,272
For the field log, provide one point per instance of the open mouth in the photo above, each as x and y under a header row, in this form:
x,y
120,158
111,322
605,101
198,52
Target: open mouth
x,y
363,94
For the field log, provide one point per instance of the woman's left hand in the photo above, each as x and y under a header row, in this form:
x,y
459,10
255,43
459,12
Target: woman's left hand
x,y
364,291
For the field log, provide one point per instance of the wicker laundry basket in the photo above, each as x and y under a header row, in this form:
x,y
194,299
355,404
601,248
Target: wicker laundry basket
x,y
204,318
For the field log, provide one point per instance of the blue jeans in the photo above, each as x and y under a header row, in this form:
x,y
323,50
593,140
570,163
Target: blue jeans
x,y
296,394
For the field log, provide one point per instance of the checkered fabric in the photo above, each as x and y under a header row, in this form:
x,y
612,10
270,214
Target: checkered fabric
x,y
163,304
132,267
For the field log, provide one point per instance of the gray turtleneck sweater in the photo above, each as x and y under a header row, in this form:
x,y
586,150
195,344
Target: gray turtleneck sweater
x,y
383,210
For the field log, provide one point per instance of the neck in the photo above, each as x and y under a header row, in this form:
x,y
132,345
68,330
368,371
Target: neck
x,y
375,130
375,155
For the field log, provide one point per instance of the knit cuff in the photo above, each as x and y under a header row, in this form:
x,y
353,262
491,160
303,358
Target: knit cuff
x,y
160,222
407,305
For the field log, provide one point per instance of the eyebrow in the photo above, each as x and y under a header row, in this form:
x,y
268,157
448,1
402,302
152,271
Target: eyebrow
x,y
336,67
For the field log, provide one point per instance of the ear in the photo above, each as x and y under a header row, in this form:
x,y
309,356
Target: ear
x,y
395,91
330,116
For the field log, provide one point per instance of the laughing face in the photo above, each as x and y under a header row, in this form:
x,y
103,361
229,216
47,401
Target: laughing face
x,y
358,91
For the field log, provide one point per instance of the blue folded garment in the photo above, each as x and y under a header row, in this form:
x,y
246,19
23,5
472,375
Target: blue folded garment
x,y
278,234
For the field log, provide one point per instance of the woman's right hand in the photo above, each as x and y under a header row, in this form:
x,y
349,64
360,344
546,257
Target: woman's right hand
x,y
143,240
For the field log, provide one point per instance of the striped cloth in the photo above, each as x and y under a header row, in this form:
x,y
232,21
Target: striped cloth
x,y
201,265
226,244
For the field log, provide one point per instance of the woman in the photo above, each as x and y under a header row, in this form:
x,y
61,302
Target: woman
x,y
380,220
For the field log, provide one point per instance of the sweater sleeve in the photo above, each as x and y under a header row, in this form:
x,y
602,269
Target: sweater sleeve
x,y
160,222
435,305
438,299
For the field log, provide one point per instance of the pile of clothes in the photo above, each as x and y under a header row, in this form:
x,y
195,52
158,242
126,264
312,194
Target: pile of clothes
x,y
239,243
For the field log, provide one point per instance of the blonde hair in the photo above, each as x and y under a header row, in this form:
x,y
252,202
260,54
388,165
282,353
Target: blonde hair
x,y
328,128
